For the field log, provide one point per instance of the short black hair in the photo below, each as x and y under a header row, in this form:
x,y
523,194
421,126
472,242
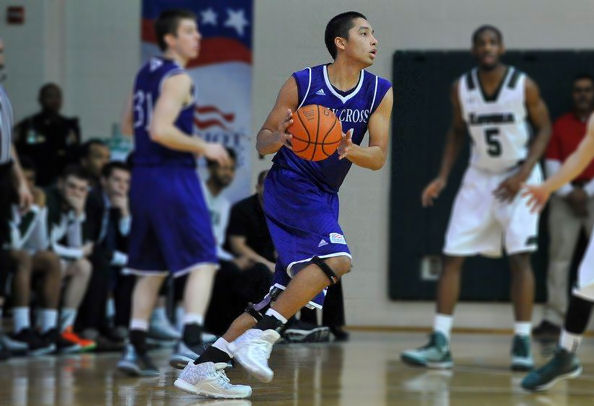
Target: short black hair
x,y
27,163
167,23
583,75
232,154
46,87
76,171
109,167
339,26
85,148
487,27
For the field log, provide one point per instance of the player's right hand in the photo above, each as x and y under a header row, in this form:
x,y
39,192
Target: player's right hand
x,y
284,138
432,191
216,152
537,197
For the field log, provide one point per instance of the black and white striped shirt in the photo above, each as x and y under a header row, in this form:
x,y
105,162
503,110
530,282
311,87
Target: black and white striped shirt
x,y
6,122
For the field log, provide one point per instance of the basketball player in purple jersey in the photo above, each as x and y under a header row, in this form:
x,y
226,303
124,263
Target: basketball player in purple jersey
x,y
171,228
301,201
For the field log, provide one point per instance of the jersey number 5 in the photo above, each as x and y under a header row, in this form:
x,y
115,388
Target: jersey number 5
x,y
491,138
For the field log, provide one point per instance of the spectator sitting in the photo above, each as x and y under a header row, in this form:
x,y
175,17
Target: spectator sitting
x,y
108,225
94,154
66,219
28,248
50,139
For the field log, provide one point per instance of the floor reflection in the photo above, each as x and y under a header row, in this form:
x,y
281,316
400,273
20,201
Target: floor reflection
x,y
364,371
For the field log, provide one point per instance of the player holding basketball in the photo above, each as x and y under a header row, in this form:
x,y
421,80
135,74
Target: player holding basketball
x,y
171,228
565,363
492,103
301,201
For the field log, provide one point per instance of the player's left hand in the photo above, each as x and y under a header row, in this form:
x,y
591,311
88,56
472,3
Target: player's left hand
x,y
509,188
346,144
537,197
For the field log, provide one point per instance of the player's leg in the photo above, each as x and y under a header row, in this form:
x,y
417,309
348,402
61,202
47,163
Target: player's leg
x,y
564,364
472,229
23,338
196,297
78,274
47,265
521,239
522,296
436,353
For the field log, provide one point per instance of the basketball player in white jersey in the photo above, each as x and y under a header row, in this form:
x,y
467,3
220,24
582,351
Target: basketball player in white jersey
x,y
493,103
565,364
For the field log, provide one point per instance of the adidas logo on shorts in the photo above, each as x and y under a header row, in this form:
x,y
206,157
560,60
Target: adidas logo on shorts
x,y
322,243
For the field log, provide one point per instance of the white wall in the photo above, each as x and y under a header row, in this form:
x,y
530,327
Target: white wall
x,y
92,49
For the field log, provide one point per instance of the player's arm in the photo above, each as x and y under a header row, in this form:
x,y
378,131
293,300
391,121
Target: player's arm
x,y
127,122
572,167
273,134
174,94
453,144
539,116
374,155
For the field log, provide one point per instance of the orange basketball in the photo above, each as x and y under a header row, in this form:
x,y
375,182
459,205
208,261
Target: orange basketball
x,y
316,132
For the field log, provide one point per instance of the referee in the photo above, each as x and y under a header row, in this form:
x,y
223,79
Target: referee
x,y
13,188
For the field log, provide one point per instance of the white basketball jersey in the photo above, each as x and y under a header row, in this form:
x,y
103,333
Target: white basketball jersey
x,y
497,126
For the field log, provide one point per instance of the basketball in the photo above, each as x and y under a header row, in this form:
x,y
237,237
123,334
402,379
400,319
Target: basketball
x,y
316,132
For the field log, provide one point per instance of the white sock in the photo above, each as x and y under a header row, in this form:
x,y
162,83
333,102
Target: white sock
x,y
277,315
20,317
223,345
193,318
138,324
443,324
571,342
179,318
67,318
522,328
49,319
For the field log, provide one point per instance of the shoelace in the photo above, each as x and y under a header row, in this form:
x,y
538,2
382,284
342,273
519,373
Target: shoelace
x,y
222,378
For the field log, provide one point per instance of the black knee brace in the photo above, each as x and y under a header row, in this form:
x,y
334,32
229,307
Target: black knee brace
x,y
326,269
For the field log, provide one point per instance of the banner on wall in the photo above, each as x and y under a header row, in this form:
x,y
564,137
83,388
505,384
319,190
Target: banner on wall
x,y
222,75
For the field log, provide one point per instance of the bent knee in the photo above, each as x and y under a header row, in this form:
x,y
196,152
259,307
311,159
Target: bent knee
x,y
340,265
82,267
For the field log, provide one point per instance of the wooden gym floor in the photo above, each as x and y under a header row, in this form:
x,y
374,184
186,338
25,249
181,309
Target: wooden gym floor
x,y
364,371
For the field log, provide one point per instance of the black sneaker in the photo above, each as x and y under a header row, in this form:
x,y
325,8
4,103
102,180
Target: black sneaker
x,y
135,364
62,346
339,333
303,332
36,345
546,329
